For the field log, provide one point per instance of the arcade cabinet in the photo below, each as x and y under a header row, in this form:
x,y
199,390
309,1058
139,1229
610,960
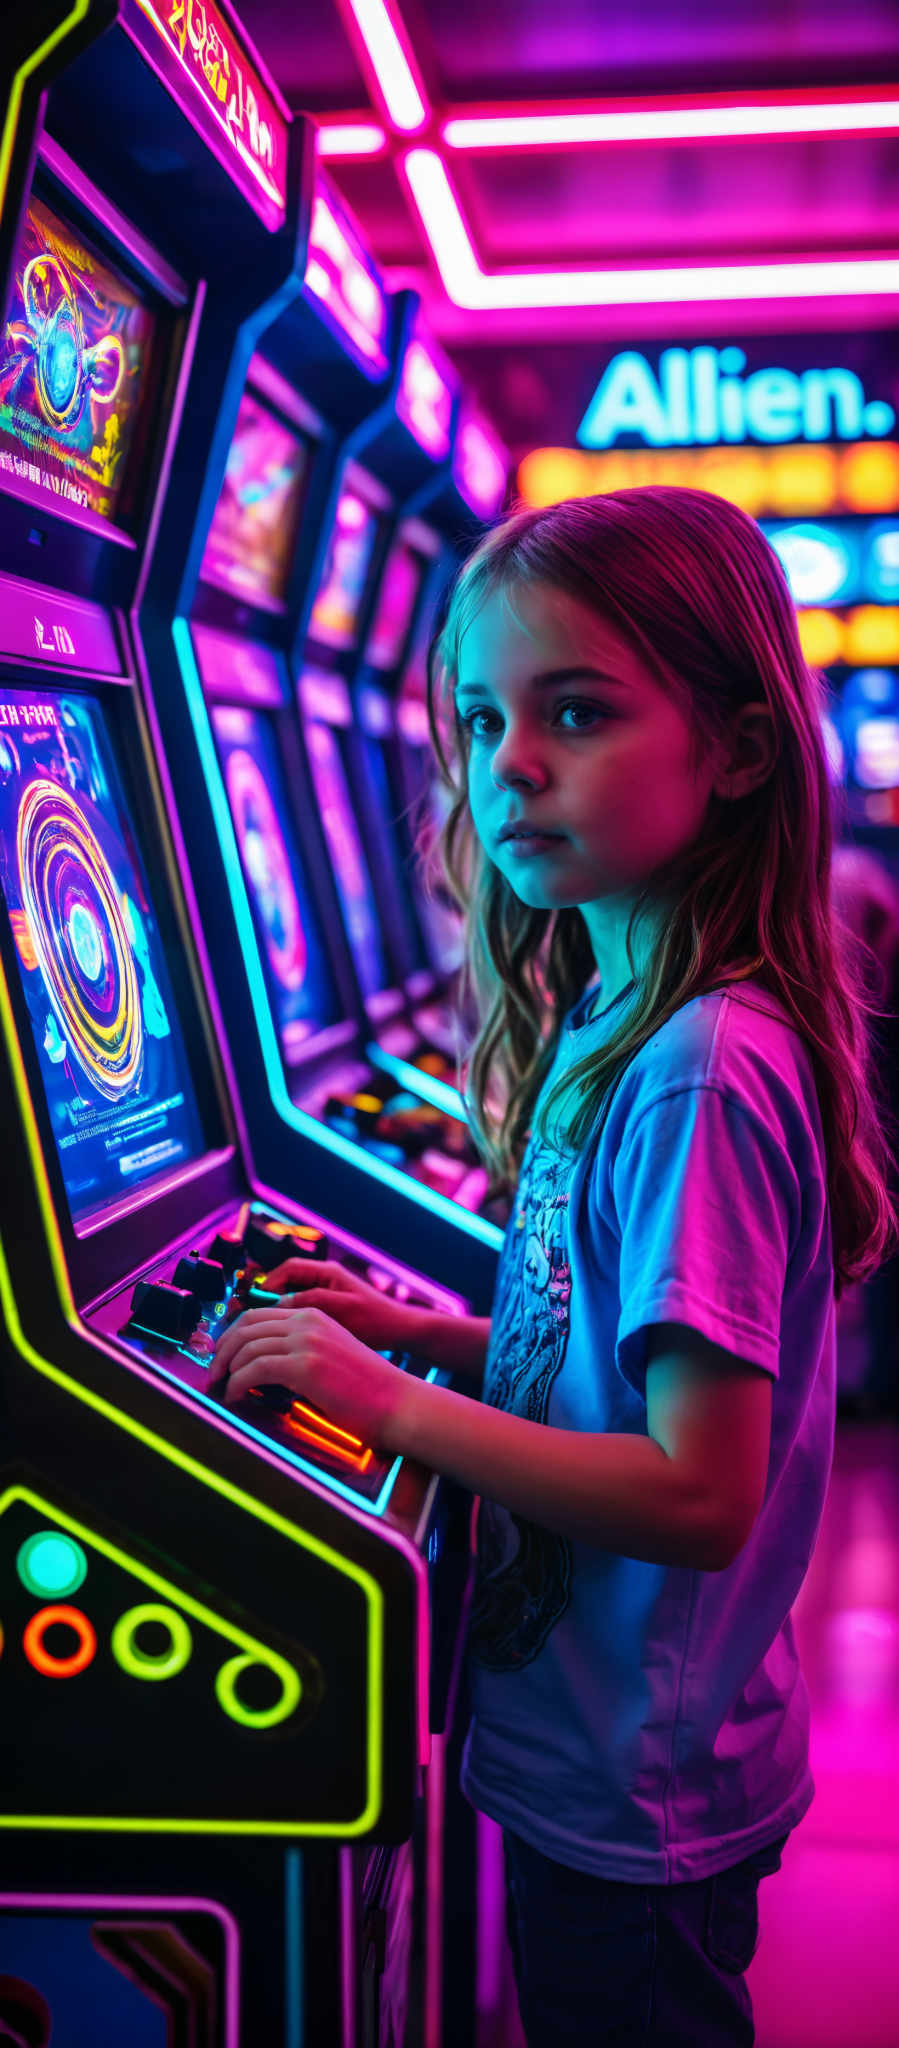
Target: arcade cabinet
x,y
226,1635
302,917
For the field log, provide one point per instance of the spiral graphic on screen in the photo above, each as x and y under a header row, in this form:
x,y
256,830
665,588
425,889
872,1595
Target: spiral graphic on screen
x,y
79,936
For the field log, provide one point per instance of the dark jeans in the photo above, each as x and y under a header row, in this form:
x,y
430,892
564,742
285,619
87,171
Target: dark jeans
x,y
598,1964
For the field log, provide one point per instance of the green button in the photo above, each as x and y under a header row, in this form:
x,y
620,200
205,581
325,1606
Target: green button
x,y
50,1564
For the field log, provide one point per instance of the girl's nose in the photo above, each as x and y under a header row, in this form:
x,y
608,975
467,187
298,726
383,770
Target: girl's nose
x,y
517,761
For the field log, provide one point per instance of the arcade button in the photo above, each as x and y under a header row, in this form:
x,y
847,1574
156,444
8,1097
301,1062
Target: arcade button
x,y
166,1311
268,1242
203,1277
227,1250
434,1063
360,1112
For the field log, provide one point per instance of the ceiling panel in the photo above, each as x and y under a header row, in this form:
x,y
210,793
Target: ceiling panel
x,y
641,203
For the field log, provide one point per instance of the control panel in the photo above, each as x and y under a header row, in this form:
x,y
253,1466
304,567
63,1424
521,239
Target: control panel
x,y
176,1312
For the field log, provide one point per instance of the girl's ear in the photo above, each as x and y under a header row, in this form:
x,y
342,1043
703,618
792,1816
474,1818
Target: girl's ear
x,y
750,753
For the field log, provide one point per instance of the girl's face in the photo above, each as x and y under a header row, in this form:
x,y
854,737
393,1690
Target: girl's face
x,y
571,734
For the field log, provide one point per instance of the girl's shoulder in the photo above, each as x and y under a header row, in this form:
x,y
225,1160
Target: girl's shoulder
x,y
738,1040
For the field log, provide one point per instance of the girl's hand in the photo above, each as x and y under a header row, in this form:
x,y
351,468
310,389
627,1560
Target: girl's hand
x,y
385,1324
319,1362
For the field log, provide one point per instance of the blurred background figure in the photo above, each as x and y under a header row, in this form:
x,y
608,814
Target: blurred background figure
x,y
866,896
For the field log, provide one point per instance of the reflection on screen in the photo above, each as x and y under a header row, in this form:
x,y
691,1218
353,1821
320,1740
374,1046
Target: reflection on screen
x,y
73,369
396,602
442,923
255,523
350,869
335,613
109,1046
300,986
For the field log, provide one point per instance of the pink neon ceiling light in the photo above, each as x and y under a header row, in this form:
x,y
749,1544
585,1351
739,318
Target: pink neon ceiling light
x,y
477,290
388,59
394,78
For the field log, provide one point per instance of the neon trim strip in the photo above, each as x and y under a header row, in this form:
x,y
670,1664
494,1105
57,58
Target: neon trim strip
x,y
297,1119
131,1902
715,119
480,291
252,1651
392,63
293,1947
14,104
138,1663
59,1667
439,1093
356,138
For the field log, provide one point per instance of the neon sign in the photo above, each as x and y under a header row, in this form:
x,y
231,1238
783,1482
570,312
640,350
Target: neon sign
x,y
229,104
699,395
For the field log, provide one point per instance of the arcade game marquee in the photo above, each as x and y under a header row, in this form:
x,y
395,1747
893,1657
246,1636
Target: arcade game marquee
x,y
303,892
226,1636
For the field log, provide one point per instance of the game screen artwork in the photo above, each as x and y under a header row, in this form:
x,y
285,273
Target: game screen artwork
x,y
256,521
300,986
89,953
335,613
350,870
74,365
396,603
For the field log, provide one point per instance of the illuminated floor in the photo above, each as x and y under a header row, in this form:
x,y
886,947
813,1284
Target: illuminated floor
x,y
826,1973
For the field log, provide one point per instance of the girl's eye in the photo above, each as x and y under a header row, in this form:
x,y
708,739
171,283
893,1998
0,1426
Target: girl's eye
x,y
590,713
584,717
468,720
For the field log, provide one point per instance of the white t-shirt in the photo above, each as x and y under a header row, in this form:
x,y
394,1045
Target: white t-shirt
x,y
645,1722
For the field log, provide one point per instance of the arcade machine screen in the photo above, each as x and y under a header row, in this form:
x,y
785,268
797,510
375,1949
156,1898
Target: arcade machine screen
x,y
255,524
345,847
338,602
89,953
400,586
300,984
77,372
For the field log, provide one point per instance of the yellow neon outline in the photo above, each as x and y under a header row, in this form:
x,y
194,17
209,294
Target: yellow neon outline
x,y
133,1661
368,1585
7,140
255,1717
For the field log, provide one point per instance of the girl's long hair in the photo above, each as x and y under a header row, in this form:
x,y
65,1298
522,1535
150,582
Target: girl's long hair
x,y
694,586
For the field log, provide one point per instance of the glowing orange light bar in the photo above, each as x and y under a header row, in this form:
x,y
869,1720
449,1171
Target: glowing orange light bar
x,y
314,1428
792,480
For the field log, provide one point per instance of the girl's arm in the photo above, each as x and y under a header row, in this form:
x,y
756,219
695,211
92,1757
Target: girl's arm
x,y
457,1343
686,1494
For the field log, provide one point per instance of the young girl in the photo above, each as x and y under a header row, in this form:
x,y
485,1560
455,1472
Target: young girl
x,y
671,1063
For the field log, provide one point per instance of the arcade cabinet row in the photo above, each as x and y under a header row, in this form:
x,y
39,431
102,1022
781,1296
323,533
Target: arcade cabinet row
x,y
234,473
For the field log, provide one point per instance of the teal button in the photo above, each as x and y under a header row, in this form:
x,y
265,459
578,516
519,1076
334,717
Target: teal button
x,y
51,1565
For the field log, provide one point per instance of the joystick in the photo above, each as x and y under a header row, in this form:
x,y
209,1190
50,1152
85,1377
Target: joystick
x,y
167,1311
203,1277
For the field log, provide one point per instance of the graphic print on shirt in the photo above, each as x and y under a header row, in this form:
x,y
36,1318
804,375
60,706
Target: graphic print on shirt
x,y
524,1573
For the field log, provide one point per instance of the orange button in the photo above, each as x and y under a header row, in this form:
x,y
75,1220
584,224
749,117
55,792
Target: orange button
x,y
59,1667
